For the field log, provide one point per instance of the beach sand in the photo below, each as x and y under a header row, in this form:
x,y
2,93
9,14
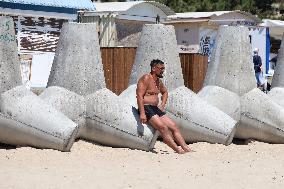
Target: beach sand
x,y
253,165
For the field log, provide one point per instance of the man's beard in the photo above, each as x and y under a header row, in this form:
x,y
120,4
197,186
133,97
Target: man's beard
x,y
160,75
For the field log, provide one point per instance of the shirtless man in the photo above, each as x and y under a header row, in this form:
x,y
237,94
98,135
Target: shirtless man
x,y
148,88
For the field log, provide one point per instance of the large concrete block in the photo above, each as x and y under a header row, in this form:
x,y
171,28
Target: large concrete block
x,y
77,64
261,118
223,99
10,73
111,121
27,120
67,102
278,77
129,95
158,42
277,95
231,66
198,120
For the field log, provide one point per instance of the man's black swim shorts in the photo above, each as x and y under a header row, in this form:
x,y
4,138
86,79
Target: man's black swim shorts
x,y
150,111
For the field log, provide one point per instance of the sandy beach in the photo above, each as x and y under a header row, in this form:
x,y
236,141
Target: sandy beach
x,y
253,165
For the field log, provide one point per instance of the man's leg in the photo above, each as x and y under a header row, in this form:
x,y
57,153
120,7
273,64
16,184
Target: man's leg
x,y
157,123
176,132
258,79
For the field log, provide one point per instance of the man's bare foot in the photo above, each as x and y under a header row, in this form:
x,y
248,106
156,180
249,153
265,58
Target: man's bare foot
x,y
186,149
180,151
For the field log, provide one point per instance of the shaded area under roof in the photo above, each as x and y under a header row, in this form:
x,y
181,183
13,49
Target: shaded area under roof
x,y
276,27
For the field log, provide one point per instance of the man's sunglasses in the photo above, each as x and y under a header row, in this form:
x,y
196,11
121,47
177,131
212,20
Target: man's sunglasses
x,y
160,68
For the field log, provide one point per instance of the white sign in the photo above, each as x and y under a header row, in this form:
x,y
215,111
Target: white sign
x,y
188,48
207,38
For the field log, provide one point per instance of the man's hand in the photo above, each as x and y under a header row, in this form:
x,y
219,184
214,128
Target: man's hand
x,y
143,118
161,107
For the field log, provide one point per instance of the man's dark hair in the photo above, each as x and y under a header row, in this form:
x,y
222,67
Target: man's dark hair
x,y
155,62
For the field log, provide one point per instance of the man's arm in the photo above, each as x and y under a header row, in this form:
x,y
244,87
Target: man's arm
x,y
260,63
140,93
164,97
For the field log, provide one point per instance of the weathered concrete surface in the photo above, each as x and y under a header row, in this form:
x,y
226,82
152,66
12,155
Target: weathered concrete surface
x,y
198,120
67,102
187,99
261,118
223,99
158,42
231,66
77,64
27,120
10,73
129,95
277,95
278,77
110,120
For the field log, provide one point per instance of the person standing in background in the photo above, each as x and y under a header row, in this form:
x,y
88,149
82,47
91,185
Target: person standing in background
x,y
257,66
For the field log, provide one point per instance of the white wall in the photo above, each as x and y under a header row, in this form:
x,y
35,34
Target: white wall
x,y
143,12
258,40
187,38
41,66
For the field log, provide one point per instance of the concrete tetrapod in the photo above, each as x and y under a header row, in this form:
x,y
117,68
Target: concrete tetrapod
x,y
231,66
84,76
198,120
110,120
129,95
25,119
100,130
77,64
69,103
278,77
214,126
158,42
223,99
277,95
10,74
277,91
261,118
